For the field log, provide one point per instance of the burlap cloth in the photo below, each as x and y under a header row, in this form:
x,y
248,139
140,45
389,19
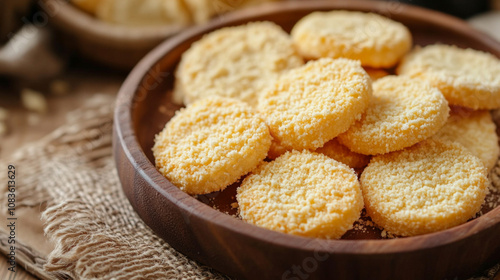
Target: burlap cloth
x,y
71,175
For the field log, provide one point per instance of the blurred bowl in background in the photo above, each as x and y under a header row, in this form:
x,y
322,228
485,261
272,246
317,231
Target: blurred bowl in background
x,y
110,44
127,36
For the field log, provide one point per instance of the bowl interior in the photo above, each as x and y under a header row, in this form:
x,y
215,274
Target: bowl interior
x,y
152,103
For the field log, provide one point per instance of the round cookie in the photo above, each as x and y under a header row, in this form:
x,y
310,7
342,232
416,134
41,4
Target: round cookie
x,y
238,62
373,39
476,131
210,144
429,187
90,6
339,152
466,77
402,112
302,193
312,104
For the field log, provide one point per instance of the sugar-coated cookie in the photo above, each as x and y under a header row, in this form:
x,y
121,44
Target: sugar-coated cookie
x,y
312,104
302,193
466,77
476,131
210,144
402,112
428,187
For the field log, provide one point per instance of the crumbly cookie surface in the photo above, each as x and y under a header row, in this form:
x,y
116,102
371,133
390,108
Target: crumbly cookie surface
x,y
428,187
210,144
476,131
402,112
466,77
375,40
312,104
302,193
237,62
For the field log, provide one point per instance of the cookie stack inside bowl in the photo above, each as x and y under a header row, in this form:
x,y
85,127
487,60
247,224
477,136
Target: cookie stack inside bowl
x,y
298,117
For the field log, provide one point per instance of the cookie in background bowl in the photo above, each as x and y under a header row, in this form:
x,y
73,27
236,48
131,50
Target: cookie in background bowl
x,y
312,104
475,130
210,144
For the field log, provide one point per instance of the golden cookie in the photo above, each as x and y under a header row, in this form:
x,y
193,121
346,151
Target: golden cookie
x,y
302,193
237,62
429,187
211,144
402,112
373,39
339,152
476,131
466,77
312,104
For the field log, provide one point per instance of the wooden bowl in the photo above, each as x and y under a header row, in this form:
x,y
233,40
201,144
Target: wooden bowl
x,y
239,249
110,44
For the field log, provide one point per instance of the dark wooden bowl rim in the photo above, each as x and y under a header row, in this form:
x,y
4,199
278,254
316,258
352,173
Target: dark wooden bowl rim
x,y
127,138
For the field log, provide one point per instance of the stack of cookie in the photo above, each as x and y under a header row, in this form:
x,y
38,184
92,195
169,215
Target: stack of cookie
x,y
298,134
